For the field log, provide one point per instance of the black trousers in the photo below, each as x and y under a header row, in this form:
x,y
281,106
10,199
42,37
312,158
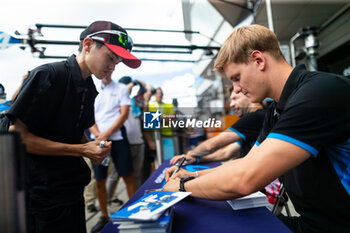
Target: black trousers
x,y
68,218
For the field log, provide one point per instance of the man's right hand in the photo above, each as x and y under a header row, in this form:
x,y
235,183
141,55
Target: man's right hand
x,y
179,174
96,154
177,158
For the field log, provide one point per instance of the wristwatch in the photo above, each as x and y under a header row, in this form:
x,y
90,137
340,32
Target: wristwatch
x,y
198,159
182,183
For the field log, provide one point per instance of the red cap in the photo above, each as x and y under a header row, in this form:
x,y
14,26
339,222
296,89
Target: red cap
x,y
115,38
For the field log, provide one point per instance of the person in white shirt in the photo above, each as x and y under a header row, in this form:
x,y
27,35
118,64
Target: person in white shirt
x,y
111,111
135,138
133,130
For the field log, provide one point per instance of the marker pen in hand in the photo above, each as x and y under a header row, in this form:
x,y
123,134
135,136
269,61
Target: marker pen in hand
x,y
178,167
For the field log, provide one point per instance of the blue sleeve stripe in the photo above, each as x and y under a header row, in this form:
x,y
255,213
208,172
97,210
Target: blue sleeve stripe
x,y
239,133
239,143
294,141
257,143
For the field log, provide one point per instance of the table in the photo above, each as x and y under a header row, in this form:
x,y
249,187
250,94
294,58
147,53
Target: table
x,y
198,215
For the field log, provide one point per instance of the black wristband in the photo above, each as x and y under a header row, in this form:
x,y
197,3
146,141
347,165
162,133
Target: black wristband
x,y
198,159
182,183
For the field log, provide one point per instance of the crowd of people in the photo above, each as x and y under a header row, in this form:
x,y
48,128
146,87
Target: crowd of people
x,y
63,118
81,139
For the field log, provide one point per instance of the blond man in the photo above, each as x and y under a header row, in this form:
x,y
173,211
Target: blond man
x,y
305,137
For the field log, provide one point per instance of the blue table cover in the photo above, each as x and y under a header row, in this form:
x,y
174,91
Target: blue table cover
x,y
199,215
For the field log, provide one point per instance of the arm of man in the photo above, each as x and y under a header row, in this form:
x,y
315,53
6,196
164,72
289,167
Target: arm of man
x,y
223,154
150,141
85,138
177,158
117,124
209,146
43,146
94,130
215,143
244,176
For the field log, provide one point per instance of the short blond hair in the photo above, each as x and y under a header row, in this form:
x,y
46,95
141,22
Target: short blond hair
x,y
243,41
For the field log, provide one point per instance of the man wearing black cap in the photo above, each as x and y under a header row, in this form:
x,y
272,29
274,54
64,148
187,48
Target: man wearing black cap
x,y
54,107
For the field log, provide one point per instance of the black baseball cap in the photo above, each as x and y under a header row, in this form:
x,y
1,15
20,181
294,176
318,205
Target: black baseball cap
x,y
125,80
115,38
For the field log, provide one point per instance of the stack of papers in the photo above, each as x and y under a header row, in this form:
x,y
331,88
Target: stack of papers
x,y
161,225
253,200
153,212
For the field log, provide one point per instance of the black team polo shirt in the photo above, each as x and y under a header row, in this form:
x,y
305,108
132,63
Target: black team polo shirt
x,y
248,128
59,108
314,114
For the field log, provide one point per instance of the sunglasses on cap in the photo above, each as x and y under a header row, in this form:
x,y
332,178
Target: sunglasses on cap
x,y
123,39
